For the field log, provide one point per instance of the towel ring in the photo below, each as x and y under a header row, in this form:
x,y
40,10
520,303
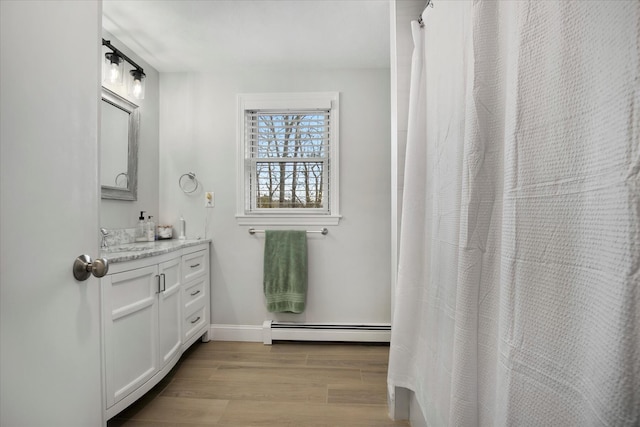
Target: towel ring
x,y
126,180
185,185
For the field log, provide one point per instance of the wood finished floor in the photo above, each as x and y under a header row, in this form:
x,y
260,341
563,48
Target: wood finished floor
x,y
288,384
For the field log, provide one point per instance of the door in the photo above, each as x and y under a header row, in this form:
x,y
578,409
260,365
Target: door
x,y
130,330
49,213
169,311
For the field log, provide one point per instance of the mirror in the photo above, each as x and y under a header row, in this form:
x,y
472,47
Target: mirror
x,y
118,147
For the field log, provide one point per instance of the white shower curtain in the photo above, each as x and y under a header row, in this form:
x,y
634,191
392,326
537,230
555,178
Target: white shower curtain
x,y
518,300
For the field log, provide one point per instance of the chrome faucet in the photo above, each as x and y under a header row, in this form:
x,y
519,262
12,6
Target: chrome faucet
x,y
105,233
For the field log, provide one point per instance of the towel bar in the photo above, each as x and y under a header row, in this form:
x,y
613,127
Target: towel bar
x,y
324,231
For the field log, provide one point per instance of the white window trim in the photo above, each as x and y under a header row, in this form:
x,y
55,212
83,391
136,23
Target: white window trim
x,y
288,101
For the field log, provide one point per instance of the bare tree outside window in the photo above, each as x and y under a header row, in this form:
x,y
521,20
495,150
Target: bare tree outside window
x,y
288,159
289,153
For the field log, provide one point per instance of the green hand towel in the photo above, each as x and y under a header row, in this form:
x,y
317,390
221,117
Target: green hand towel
x,y
285,270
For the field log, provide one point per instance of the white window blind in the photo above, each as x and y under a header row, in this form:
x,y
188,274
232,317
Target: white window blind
x,y
290,157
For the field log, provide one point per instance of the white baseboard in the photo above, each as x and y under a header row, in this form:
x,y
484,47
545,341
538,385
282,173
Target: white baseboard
x,y
265,334
249,333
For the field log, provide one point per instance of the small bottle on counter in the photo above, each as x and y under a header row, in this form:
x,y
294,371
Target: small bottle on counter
x,y
183,229
150,230
141,232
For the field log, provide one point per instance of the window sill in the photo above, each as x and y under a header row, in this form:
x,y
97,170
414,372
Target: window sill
x,y
284,219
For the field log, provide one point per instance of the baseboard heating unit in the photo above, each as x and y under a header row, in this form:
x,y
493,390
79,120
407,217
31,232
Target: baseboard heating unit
x,y
292,331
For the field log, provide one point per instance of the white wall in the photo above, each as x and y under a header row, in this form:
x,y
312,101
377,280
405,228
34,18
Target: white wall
x,y
120,213
349,268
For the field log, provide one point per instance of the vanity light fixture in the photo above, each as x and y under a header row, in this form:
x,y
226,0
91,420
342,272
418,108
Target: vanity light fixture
x,y
136,83
113,71
113,68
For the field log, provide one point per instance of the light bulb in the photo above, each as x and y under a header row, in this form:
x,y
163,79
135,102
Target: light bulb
x,y
137,88
114,73
136,83
113,68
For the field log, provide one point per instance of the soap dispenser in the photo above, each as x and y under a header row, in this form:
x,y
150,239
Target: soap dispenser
x,y
151,230
141,233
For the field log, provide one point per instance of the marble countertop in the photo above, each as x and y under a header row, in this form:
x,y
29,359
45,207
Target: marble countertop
x,y
132,251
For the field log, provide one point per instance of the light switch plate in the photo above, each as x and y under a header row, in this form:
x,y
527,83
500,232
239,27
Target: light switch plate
x,y
208,199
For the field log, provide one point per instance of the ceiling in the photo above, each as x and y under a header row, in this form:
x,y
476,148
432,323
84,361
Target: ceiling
x,y
205,35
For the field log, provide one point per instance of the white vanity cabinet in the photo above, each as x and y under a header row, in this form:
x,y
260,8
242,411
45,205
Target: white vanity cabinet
x,y
149,317
169,311
195,295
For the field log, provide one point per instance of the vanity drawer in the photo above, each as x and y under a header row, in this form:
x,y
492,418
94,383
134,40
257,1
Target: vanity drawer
x,y
194,265
194,295
193,323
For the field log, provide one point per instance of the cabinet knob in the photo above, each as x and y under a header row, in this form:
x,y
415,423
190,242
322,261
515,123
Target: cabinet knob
x,y
83,267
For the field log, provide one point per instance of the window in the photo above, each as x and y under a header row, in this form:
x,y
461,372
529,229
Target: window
x,y
288,169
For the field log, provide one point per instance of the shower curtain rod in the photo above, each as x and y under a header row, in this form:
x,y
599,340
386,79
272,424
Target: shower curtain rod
x,y
324,231
420,21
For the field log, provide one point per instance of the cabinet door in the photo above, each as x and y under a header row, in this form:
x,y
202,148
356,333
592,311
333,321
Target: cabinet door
x,y
130,330
170,311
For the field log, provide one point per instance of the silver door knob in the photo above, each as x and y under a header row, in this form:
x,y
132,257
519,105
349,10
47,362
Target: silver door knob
x,y
83,267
